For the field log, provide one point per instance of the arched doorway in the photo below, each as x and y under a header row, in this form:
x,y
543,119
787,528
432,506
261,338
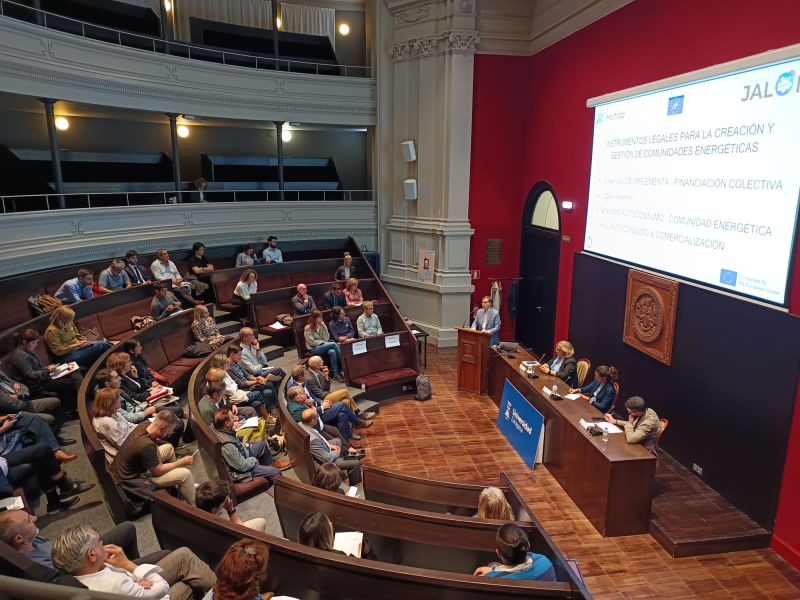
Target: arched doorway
x,y
539,254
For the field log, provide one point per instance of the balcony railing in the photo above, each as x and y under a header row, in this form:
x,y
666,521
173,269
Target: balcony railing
x,y
128,39
33,202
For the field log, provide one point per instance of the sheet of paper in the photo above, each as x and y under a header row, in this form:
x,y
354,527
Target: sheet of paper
x,y
353,491
416,331
392,340
546,391
349,542
278,325
251,422
572,396
359,347
11,503
609,427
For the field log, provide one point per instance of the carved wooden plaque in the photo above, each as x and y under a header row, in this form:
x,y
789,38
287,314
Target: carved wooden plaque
x,y
651,304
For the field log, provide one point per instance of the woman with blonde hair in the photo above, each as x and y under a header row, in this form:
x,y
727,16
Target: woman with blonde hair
x,y
205,329
352,294
242,573
492,504
108,422
243,296
67,343
347,270
318,342
564,366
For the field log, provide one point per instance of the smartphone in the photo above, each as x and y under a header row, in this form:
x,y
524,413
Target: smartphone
x,y
13,418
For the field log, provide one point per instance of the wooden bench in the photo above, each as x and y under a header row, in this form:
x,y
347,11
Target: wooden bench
x,y
298,441
382,368
304,572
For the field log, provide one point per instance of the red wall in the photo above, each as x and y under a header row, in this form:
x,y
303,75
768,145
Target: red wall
x,y
542,99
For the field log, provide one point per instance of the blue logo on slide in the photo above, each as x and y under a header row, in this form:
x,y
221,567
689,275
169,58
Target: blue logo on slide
x,y
675,105
785,83
599,118
727,277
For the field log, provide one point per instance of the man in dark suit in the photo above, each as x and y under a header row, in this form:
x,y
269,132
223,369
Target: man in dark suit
x,y
136,272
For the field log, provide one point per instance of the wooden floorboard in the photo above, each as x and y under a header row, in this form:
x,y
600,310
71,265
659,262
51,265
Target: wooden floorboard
x,y
453,436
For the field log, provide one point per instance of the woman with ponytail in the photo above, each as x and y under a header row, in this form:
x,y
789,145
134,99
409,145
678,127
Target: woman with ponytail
x,y
600,392
516,559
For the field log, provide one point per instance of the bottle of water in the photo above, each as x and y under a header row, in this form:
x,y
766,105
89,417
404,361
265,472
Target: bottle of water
x,y
363,387
554,391
605,435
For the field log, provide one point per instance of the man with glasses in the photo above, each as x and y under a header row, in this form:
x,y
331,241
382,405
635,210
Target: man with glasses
x,y
642,426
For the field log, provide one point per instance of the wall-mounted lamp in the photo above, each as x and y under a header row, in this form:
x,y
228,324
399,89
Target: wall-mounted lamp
x,y
167,5
279,22
62,123
183,131
567,205
286,135
344,28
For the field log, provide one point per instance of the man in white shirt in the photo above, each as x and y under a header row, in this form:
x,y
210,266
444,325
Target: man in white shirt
x,y
164,269
80,551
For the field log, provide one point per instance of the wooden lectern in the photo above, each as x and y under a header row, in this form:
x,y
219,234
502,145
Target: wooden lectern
x,y
473,360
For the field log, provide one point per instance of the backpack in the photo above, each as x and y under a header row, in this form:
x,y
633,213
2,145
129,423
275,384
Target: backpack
x,y
423,387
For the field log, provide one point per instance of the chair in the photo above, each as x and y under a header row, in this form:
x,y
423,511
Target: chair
x,y
664,425
616,397
582,369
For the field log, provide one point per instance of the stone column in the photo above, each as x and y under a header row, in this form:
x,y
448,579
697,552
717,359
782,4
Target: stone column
x,y
424,53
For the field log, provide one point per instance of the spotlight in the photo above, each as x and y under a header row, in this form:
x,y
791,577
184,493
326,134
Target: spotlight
x,y
286,135
183,131
344,28
62,123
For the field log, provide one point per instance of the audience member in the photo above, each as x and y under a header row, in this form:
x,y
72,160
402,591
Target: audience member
x,y
111,426
346,271
488,319
38,376
214,399
318,341
80,551
218,371
247,257
164,303
76,289
16,397
201,185
136,272
302,302
339,414
328,477
67,343
198,263
144,374
333,297
165,271
352,294
325,451
564,366
601,388
244,462
643,424
129,381
251,383
492,504
242,573
139,454
319,385
243,296
271,253
214,497
316,531
516,559
114,278
368,322
298,377
254,360
205,329
341,326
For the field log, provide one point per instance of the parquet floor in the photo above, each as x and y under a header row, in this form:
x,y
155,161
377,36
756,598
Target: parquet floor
x,y
453,436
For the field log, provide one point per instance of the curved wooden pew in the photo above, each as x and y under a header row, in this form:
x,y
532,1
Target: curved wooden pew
x,y
390,370
307,573
162,345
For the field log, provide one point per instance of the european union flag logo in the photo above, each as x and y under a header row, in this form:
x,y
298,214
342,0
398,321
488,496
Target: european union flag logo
x,y
727,277
675,105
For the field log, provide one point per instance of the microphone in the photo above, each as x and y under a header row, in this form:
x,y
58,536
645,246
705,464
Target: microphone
x,y
541,358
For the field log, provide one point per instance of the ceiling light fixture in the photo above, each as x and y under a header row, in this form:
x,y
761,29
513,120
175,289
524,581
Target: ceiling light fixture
x,y
62,123
167,5
183,131
344,28
286,135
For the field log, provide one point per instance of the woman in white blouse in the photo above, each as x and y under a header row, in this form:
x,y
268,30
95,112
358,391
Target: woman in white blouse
x,y
242,295
110,425
247,257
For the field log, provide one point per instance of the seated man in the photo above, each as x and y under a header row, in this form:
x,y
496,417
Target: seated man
x,y
642,426
15,397
334,297
140,454
368,323
76,289
214,399
272,253
319,384
302,303
324,451
80,551
114,278
339,415
164,303
254,361
341,327
244,462
198,263
214,497
136,272
246,381
165,271
18,529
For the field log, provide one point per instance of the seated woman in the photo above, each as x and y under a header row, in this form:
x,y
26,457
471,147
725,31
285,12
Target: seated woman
x,y
492,504
600,391
129,380
36,375
516,559
316,531
205,329
242,573
247,257
67,343
108,422
341,327
564,366
347,270
238,399
318,342
242,296
144,374
329,477
352,294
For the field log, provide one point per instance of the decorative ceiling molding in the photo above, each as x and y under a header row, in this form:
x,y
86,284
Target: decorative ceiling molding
x,y
451,41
